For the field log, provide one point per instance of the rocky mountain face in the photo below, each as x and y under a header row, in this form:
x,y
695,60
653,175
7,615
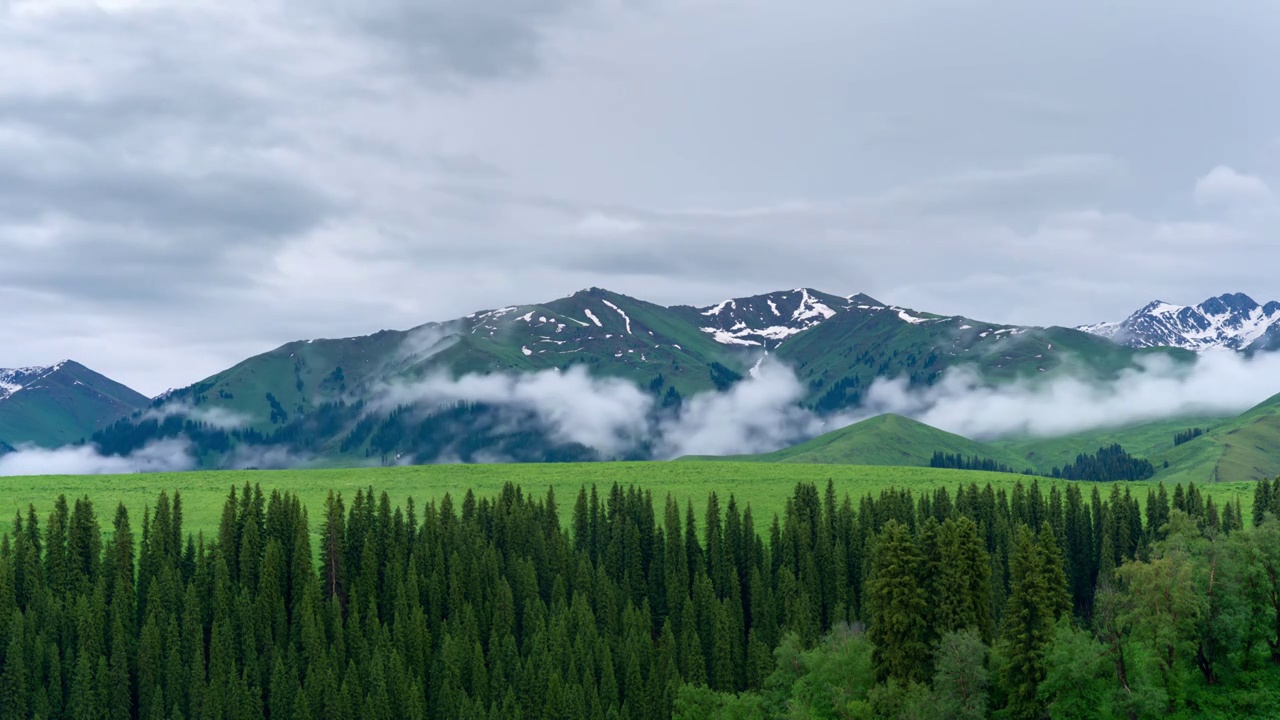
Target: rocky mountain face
x,y
1227,322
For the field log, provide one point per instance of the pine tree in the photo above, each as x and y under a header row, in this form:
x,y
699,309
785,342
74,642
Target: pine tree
x,y
1036,598
898,606
13,679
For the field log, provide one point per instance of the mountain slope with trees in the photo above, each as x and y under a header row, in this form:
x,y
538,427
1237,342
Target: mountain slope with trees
x,y
336,401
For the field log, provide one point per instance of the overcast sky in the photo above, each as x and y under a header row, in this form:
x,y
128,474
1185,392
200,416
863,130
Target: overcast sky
x,y
187,183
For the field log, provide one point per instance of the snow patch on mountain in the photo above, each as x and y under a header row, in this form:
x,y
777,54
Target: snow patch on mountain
x,y
14,380
620,312
1227,322
768,320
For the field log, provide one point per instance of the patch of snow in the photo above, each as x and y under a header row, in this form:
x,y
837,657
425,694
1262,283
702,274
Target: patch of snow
x,y
725,338
774,308
527,317
778,332
906,317
592,317
678,347
624,315
716,309
966,327
810,308
526,351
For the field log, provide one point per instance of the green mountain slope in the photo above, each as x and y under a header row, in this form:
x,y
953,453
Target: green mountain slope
x,y
60,404
1242,448
1153,440
883,440
328,399
842,357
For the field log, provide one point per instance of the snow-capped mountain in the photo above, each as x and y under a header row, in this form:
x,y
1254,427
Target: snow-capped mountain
x,y
59,403
1227,322
13,380
766,321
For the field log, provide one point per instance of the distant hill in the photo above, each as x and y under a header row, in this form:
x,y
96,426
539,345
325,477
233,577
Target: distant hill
x,y
60,404
1244,447
883,440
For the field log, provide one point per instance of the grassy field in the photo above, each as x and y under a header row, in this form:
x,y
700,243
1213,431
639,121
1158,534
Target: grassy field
x,y
764,486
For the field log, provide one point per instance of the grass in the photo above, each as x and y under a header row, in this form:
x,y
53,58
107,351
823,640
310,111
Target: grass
x,y
765,486
1147,440
885,440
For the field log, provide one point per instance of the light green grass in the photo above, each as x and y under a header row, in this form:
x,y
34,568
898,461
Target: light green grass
x,y
764,486
1147,440
885,440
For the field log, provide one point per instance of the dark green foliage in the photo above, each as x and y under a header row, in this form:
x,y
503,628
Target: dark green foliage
x,y
489,607
1108,464
960,462
1187,436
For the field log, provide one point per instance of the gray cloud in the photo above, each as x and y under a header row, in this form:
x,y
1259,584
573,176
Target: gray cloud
x,y
218,417
185,185
1219,384
161,456
458,39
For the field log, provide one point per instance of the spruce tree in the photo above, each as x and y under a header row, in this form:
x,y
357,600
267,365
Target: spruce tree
x,y
898,606
1034,603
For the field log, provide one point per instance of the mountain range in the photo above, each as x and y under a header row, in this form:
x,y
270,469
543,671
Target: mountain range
x,y
382,398
1227,322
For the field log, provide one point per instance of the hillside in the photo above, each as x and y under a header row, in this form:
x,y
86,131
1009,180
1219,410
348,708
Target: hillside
x,y
883,440
60,404
1245,447
376,399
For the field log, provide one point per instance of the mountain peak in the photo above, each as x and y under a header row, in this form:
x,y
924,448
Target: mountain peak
x,y
765,321
1231,321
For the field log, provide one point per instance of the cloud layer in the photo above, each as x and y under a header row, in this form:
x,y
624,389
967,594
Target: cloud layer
x,y
762,412
162,456
1219,384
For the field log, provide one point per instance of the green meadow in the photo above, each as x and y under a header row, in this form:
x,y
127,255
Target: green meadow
x,y
763,486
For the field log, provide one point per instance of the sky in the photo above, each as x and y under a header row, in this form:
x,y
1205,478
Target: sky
x,y
186,184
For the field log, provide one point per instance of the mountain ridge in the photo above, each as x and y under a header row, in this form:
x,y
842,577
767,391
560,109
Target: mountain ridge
x,y
62,403
1232,321
340,400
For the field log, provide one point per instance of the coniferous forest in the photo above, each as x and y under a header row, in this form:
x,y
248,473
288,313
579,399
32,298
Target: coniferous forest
x,y
1078,602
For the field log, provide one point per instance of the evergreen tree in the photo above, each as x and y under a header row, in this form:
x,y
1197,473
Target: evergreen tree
x,y
898,606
